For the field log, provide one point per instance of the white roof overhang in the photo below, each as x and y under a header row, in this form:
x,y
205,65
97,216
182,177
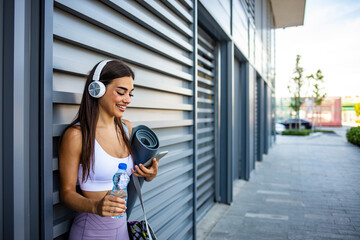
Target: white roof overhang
x,y
288,13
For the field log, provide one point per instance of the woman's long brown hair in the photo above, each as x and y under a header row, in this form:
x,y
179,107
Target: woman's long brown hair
x,y
87,115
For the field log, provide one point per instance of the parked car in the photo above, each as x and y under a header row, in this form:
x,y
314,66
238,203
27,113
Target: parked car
x,y
295,122
279,128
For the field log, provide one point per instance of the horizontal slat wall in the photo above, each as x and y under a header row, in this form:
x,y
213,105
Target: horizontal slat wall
x,y
259,36
220,10
266,38
240,27
206,123
155,38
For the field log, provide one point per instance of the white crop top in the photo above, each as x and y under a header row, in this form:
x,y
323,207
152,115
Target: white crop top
x,y
105,166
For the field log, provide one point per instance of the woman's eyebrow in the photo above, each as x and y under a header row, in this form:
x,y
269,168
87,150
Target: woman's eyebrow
x,y
124,88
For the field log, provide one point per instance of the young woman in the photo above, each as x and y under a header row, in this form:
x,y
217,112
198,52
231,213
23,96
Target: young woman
x,y
92,146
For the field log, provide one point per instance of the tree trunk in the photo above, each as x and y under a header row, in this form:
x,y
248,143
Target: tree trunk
x,y
320,115
299,121
317,117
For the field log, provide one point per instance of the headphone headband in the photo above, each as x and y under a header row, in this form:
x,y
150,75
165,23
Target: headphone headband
x,y
99,68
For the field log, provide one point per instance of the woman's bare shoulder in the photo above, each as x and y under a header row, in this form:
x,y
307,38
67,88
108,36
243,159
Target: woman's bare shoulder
x,y
72,136
70,149
73,132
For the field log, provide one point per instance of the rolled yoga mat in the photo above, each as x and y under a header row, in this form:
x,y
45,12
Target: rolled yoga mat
x,y
144,146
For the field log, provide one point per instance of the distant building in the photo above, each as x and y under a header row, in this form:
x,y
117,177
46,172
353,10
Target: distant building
x,y
349,117
204,80
327,114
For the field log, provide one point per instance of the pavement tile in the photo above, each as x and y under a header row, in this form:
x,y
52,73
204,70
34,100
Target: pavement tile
x,y
312,182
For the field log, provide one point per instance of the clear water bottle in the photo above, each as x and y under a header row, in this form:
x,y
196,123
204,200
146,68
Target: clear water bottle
x,y
120,180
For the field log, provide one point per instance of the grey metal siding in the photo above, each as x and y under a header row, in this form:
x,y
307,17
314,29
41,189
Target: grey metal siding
x,y
220,11
252,44
206,122
19,112
240,27
155,38
266,39
256,118
259,35
50,46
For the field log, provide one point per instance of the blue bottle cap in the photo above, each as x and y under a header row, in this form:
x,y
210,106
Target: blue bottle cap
x,y
122,166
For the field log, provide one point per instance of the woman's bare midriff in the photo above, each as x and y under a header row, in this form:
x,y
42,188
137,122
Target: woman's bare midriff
x,y
94,195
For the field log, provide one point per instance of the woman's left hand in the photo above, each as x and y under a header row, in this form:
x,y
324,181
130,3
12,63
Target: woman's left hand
x,y
147,173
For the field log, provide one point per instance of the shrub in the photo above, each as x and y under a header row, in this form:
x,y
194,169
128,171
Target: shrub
x,y
353,135
324,131
296,132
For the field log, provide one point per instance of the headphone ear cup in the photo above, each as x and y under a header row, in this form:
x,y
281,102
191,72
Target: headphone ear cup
x,y
96,89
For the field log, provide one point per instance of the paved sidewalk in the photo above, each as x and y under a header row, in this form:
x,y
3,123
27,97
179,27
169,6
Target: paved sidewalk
x,y
306,188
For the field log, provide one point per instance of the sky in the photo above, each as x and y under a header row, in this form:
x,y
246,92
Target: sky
x,y
329,40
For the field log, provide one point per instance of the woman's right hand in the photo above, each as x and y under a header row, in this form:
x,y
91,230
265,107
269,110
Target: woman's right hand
x,y
110,206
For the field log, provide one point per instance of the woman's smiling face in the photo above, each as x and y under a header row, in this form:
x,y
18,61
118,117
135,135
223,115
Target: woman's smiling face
x,y
117,96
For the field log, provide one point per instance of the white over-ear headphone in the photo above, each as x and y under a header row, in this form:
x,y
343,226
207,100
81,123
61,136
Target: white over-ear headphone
x,y
97,89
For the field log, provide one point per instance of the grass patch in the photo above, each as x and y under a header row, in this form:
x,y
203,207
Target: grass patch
x,y
296,132
353,135
324,131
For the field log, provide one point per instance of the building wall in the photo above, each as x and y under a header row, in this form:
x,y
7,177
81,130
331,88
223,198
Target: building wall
x,y
206,66
156,40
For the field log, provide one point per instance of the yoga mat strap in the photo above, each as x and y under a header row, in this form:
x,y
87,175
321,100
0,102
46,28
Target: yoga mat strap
x,y
138,190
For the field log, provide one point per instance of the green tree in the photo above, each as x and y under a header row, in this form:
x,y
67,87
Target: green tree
x,y
295,86
318,95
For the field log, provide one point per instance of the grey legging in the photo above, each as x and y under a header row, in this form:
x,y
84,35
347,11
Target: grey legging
x,y
88,226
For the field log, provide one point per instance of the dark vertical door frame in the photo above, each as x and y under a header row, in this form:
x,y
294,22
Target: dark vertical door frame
x,y
260,114
245,131
237,120
9,28
226,137
33,86
20,125
223,173
243,121
46,89
1,117
266,117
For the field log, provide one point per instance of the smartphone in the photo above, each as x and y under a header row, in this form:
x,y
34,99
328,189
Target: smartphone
x,y
158,157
